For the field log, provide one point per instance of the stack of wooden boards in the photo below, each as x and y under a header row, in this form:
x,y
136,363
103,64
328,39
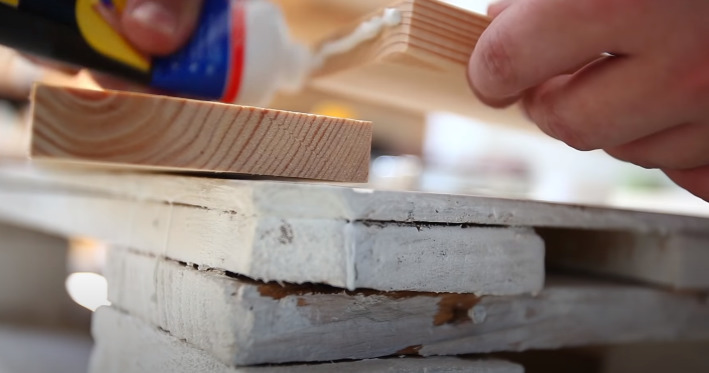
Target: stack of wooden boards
x,y
211,274
199,286
223,274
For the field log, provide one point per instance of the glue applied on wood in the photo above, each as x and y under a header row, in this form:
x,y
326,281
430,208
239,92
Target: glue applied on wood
x,y
169,133
418,63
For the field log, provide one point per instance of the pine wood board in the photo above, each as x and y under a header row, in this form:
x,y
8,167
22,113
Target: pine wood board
x,y
126,344
240,321
418,64
165,133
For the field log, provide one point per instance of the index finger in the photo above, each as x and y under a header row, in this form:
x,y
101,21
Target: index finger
x,y
534,40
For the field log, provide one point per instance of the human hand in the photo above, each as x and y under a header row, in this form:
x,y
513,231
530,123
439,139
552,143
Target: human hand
x,y
645,101
155,27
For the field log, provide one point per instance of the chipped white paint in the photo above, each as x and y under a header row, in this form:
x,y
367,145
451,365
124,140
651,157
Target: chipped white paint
x,y
322,200
234,224
125,344
245,322
333,251
494,258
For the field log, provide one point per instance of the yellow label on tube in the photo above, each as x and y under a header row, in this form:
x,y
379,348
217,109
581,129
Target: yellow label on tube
x,y
103,38
12,3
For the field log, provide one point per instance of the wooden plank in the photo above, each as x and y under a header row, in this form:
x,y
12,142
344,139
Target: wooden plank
x,y
241,321
334,251
126,344
419,63
675,260
170,133
210,214
327,201
386,256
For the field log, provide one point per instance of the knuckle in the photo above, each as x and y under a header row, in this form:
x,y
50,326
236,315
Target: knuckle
x,y
546,114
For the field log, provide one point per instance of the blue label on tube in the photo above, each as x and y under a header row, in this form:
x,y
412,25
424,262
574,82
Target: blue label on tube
x,y
200,68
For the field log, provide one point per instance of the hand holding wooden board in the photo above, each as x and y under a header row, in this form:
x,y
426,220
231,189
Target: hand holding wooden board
x,y
165,133
419,63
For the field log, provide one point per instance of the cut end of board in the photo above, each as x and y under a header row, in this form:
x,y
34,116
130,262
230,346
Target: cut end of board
x,y
174,134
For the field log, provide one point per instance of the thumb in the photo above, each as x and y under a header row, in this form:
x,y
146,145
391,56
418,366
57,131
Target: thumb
x,y
494,9
159,27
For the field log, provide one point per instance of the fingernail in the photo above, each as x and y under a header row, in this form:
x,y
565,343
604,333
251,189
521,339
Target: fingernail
x,y
156,16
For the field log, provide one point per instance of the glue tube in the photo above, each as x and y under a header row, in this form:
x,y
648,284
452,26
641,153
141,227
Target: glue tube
x,y
240,52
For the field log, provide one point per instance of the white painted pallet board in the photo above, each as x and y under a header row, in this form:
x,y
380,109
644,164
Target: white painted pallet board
x,y
339,252
244,322
285,199
241,226
126,344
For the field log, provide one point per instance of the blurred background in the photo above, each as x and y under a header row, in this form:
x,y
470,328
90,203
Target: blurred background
x,y
44,318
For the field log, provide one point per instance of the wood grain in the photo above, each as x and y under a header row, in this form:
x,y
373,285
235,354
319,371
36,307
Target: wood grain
x,y
419,64
241,321
124,343
170,133
324,201
249,241
236,225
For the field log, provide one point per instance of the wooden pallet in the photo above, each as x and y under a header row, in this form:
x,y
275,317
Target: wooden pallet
x,y
244,322
120,336
353,237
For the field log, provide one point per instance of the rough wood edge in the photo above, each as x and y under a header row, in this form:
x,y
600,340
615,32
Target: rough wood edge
x,y
125,344
267,321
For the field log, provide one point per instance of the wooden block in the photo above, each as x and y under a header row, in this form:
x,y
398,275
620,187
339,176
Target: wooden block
x,y
243,322
419,63
126,344
679,260
341,252
187,135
